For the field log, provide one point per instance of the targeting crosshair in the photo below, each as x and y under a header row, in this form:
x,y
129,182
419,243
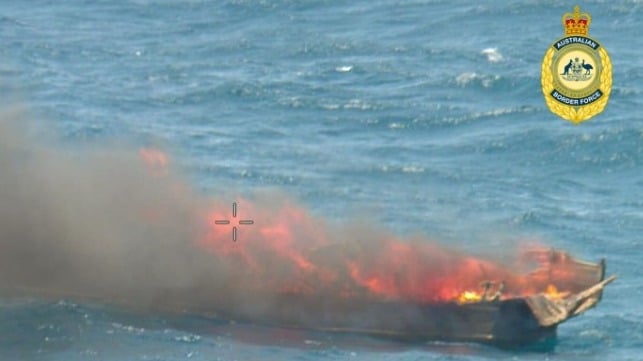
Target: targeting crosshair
x,y
241,222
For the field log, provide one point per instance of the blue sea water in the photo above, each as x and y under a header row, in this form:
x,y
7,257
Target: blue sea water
x,y
425,116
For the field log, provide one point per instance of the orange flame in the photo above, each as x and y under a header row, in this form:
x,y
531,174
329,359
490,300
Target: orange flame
x,y
286,250
283,251
469,297
552,292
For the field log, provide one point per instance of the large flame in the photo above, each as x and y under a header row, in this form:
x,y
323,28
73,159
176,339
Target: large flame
x,y
287,250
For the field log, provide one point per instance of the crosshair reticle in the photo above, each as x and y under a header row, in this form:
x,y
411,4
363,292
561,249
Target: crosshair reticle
x,y
242,222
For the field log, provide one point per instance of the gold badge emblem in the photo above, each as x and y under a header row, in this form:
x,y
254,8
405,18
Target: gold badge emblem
x,y
576,74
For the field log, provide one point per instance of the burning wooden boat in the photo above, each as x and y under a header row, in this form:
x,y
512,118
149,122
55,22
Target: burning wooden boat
x,y
521,311
488,316
289,269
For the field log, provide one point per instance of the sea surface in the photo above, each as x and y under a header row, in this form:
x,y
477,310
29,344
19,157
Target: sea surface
x,y
423,116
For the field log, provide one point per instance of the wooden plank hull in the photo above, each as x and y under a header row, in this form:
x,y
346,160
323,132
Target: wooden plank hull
x,y
509,323
514,322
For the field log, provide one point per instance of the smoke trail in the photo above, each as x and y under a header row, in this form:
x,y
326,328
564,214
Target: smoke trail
x,y
94,223
119,224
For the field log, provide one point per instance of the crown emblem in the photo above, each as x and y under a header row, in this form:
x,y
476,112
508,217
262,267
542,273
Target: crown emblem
x,y
576,23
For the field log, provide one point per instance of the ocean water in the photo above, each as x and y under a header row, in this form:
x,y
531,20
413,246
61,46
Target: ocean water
x,y
424,116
